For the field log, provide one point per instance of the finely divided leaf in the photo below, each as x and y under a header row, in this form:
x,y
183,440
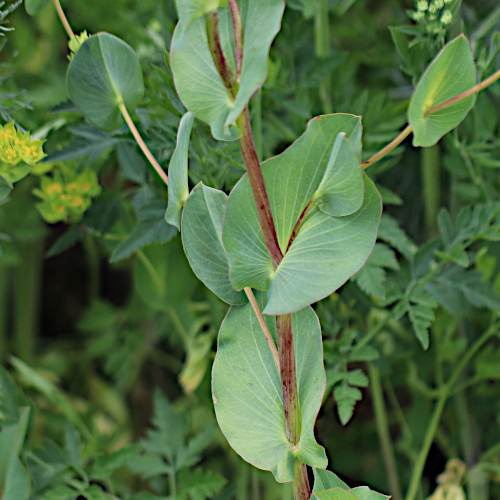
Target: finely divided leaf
x,y
450,73
178,189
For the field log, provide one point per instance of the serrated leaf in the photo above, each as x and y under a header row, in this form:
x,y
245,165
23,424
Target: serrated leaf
x,y
247,391
105,465
149,466
450,73
357,378
105,73
202,241
390,232
178,189
200,484
420,308
346,398
196,78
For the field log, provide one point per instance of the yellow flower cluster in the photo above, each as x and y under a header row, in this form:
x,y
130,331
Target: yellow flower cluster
x,y
16,146
66,195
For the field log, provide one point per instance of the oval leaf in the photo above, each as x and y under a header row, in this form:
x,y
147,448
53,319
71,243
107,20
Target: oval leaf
x,y
178,189
202,240
196,78
105,73
335,247
450,73
247,392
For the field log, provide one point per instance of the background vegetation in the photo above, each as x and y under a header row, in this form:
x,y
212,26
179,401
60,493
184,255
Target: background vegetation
x,y
112,335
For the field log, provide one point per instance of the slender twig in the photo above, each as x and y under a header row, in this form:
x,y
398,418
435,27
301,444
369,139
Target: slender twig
x,y
238,35
263,325
438,410
446,104
460,97
64,19
392,145
142,144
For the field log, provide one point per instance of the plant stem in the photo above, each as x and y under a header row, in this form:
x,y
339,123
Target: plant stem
x,y
431,186
288,371
301,489
93,267
256,104
322,46
142,144
387,149
27,280
383,432
212,23
450,102
238,35
4,311
256,179
64,19
438,410
263,325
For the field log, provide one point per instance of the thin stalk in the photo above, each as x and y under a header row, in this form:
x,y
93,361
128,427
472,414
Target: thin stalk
x,y
460,97
4,311
406,132
263,325
238,35
383,433
258,186
438,410
256,104
93,266
429,165
27,282
142,144
387,149
64,19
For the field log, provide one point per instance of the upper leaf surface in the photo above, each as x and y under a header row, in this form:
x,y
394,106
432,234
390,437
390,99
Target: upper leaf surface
x,y
202,240
327,250
450,73
178,189
196,78
33,7
104,73
247,392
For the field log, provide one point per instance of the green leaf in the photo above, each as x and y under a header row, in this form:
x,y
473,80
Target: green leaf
x,y
104,74
196,78
202,240
333,494
162,275
199,484
365,493
342,188
325,480
178,189
104,465
33,7
450,73
390,232
188,11
151,227
14,478
247,391
327,250
5,188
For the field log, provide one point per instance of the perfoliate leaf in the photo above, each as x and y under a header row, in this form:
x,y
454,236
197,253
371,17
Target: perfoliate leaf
x,y
247,391
196,78
105,73
178,189
202,240
450,73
